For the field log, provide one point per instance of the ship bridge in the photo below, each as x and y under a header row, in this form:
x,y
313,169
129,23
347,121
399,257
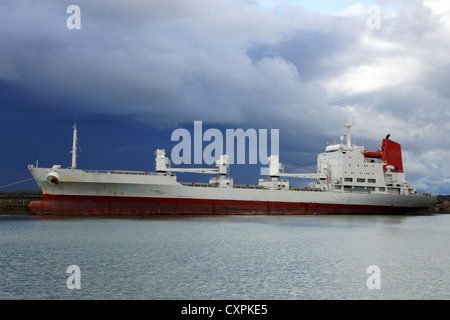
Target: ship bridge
x,y
345,167
351,168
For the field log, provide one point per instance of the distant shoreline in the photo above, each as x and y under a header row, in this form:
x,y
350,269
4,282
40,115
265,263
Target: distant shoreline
x,y
16,202
20,193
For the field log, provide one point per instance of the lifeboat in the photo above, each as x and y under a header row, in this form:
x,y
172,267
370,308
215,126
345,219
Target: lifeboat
x,y
373,154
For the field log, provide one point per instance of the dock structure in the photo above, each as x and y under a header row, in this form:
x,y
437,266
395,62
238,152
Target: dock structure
x,y
17,202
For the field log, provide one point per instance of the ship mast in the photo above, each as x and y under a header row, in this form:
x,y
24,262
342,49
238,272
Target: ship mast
x,y
349,138
74,147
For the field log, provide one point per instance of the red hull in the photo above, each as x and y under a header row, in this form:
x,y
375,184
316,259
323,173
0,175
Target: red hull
x,y
104,205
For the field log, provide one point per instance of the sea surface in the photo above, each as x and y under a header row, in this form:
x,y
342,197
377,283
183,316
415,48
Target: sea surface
x,y
225,257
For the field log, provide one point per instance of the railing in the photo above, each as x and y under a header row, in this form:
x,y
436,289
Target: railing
x,y
241,186
195,184
247,186
125,172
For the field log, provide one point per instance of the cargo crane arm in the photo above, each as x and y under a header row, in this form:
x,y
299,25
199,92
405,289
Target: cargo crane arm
x,y
163,165
303,175
275,170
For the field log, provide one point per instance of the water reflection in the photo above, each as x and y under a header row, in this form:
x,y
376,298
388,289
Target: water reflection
x,y
225,257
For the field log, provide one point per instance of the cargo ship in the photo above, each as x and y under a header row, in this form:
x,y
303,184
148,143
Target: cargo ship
x,y
348,180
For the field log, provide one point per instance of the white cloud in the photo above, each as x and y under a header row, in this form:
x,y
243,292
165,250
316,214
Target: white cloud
x,y
380,74
381,46
438,7
354,10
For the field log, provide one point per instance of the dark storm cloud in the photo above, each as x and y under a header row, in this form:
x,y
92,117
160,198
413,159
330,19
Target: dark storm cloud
x,y
238,64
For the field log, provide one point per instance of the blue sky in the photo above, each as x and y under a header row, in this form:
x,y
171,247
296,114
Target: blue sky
x,y
138,70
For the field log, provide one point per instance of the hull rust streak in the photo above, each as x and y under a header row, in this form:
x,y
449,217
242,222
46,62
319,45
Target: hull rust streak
x,y
110,205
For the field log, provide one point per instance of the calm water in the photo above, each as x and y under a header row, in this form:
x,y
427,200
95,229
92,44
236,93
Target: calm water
x,y
226,257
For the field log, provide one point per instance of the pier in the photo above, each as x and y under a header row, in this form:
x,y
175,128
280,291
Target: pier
x,y
16,202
